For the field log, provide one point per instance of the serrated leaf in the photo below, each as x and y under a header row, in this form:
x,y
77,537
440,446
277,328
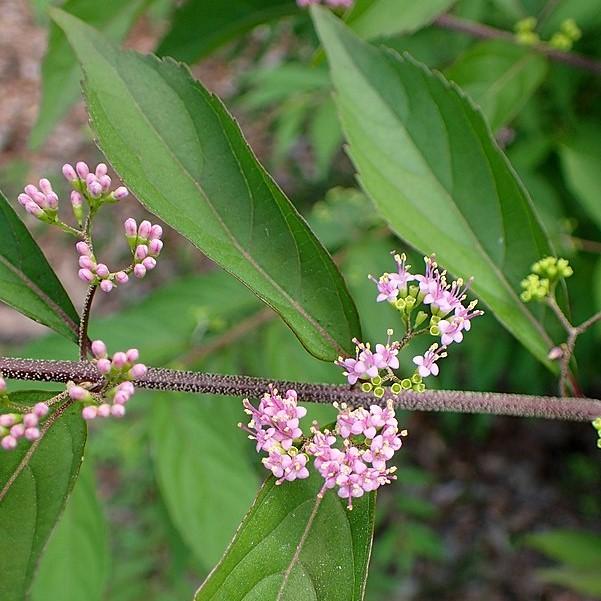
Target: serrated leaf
x,y
200,26
500,77
32,501
185,158
75,562
580,157
27,282
60,71
282,552
382,18
429,162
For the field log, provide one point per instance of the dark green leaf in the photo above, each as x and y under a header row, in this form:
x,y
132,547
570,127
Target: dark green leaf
x,y
185,158
60,71
428,161
31,502
381,18
27,282
75,563
499,77
290,547
200,26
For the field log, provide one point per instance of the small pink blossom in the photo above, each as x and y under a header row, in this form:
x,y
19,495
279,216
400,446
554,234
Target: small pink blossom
x,y
427,363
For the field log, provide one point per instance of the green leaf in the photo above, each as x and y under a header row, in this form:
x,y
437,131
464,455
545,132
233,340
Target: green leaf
x,y
429,162
27,282
200,26
587,582
202,465
381,18
325,136
60,71
292,547
499,77
580,157
31,502
75,563
576,549
184,157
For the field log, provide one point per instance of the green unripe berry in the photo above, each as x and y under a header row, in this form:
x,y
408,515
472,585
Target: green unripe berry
x,y
406,384
379,392
366,387
395,388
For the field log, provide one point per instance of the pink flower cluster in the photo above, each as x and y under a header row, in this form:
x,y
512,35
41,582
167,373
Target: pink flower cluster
x,y
14,426
145,243
92,272
95,184
353,458
331,3
368,363
41,202
118,371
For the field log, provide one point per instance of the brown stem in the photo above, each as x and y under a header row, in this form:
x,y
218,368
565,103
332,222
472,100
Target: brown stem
x,y
575,409
83,339
479,30
585,325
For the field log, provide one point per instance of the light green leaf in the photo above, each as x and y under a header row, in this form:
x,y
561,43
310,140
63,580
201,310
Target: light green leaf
x,y
35,481
200,26
75,563
203,469
292,547
499,77
185,158
380,18
429,162
325,136
587,582
27,282
581,163
574,548
60,71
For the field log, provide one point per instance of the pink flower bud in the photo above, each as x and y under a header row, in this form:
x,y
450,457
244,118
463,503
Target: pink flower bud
x,y
133,354
7,420
156,232
69,172
139,271
155,247
119,360
104,410
83,249
104,366
101,169
24,199
17,430
86,263
90,178
32,433
141,252
34,209
82,169
30,420
555,353
121,277
121,398
76,199
106,286
8,443
41,409
99,349
102,270
40,199
144,229
95,189
117,410
149,263
78,393
131,228
105,182
86,275
120,193
52,200
31,190
89,412
46,186
127,388
138,370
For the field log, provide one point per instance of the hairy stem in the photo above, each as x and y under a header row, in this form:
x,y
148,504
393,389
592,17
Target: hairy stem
x,y
574,409
479,30
83,340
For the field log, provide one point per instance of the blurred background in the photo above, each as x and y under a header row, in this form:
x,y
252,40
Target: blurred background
x,y
484,507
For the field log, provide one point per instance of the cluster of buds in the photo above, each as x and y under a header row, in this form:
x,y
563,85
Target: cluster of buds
x,y
145,244
16,426
351,458
330,3
41,202
525,31
111,397
541,283
423,300
597,426
569,32
96,273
